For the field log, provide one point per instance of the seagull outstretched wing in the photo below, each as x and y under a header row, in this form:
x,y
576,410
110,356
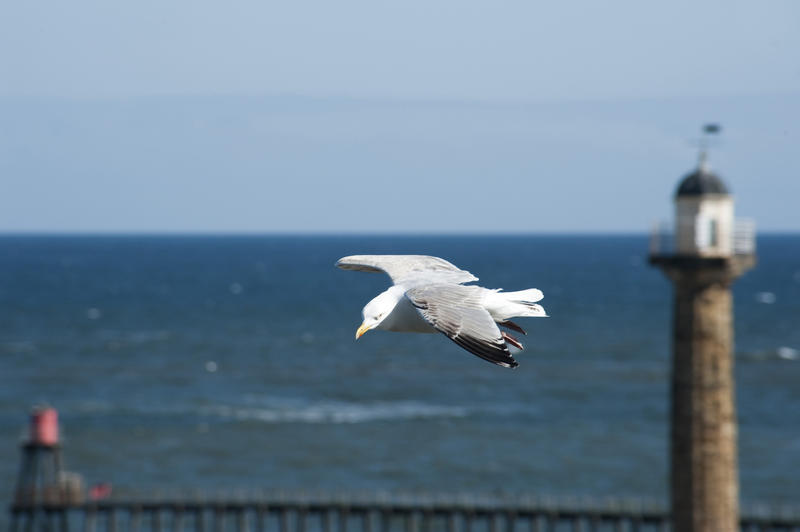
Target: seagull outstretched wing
x,y
408,269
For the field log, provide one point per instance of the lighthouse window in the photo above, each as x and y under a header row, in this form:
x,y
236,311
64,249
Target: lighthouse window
x,y
713,241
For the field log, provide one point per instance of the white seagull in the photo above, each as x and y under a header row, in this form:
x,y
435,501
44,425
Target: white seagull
x,y
429,296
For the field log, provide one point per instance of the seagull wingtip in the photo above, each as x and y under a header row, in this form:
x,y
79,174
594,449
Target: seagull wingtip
x,y
342,262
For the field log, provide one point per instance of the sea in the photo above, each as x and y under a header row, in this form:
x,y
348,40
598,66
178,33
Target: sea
x,y
213,363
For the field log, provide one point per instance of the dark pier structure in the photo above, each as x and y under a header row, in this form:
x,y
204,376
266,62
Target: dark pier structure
x,y
353,512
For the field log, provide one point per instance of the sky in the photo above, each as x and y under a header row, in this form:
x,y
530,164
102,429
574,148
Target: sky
x,y
405,117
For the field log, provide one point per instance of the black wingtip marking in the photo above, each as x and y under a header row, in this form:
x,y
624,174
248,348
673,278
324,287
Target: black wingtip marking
x,y
494,353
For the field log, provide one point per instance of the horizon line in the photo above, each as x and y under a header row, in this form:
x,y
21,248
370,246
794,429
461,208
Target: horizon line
x,y
322,233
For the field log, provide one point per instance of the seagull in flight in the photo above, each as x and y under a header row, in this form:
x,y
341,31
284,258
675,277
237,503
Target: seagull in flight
x,y
428,295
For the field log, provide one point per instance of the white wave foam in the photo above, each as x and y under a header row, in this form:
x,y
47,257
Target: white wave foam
x,y
334,412
780,353
767,298
280,410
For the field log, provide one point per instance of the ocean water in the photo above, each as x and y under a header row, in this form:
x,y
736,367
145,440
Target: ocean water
x,y
225,362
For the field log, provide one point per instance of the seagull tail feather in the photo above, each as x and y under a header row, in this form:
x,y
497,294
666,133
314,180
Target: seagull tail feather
x,y
531,295
505,305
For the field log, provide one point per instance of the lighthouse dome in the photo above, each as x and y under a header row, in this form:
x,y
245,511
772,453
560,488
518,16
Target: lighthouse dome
x,y
700,182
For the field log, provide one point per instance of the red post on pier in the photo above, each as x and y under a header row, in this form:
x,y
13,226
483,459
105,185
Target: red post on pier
x,y
44,426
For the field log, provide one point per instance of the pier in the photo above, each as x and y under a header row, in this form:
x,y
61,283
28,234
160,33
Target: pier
x,y
381,512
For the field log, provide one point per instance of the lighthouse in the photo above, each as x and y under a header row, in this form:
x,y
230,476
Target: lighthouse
x,y
708,251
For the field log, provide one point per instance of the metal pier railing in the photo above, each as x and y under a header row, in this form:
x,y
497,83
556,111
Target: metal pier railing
x,y
359,514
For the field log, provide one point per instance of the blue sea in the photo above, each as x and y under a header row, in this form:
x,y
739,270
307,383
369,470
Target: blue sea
x,y
182,363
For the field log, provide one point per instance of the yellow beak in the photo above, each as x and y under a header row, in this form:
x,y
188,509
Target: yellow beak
x,y
361,330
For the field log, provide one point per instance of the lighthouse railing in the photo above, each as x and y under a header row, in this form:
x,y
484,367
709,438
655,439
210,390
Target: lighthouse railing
x,y
743,238
662,239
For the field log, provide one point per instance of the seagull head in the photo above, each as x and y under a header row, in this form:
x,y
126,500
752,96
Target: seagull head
x,y
376,311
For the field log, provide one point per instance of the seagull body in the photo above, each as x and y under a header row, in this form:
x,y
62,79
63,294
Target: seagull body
x,y
429,295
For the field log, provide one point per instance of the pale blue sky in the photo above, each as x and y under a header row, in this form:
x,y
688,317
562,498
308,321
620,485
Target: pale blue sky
x,y
368,116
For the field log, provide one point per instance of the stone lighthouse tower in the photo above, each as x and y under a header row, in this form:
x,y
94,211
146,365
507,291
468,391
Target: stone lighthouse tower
x,y
708,252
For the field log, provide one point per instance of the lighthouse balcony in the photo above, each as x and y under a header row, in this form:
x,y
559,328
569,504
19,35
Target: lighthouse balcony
x,y
702,258
698,242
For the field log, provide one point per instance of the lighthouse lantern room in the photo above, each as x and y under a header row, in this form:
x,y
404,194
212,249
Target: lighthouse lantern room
x,y
703,214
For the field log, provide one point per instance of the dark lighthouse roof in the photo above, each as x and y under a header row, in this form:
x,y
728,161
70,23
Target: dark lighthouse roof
x,y
701,182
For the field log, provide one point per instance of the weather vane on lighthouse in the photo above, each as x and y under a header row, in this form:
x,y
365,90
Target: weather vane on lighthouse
x,y
705,142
